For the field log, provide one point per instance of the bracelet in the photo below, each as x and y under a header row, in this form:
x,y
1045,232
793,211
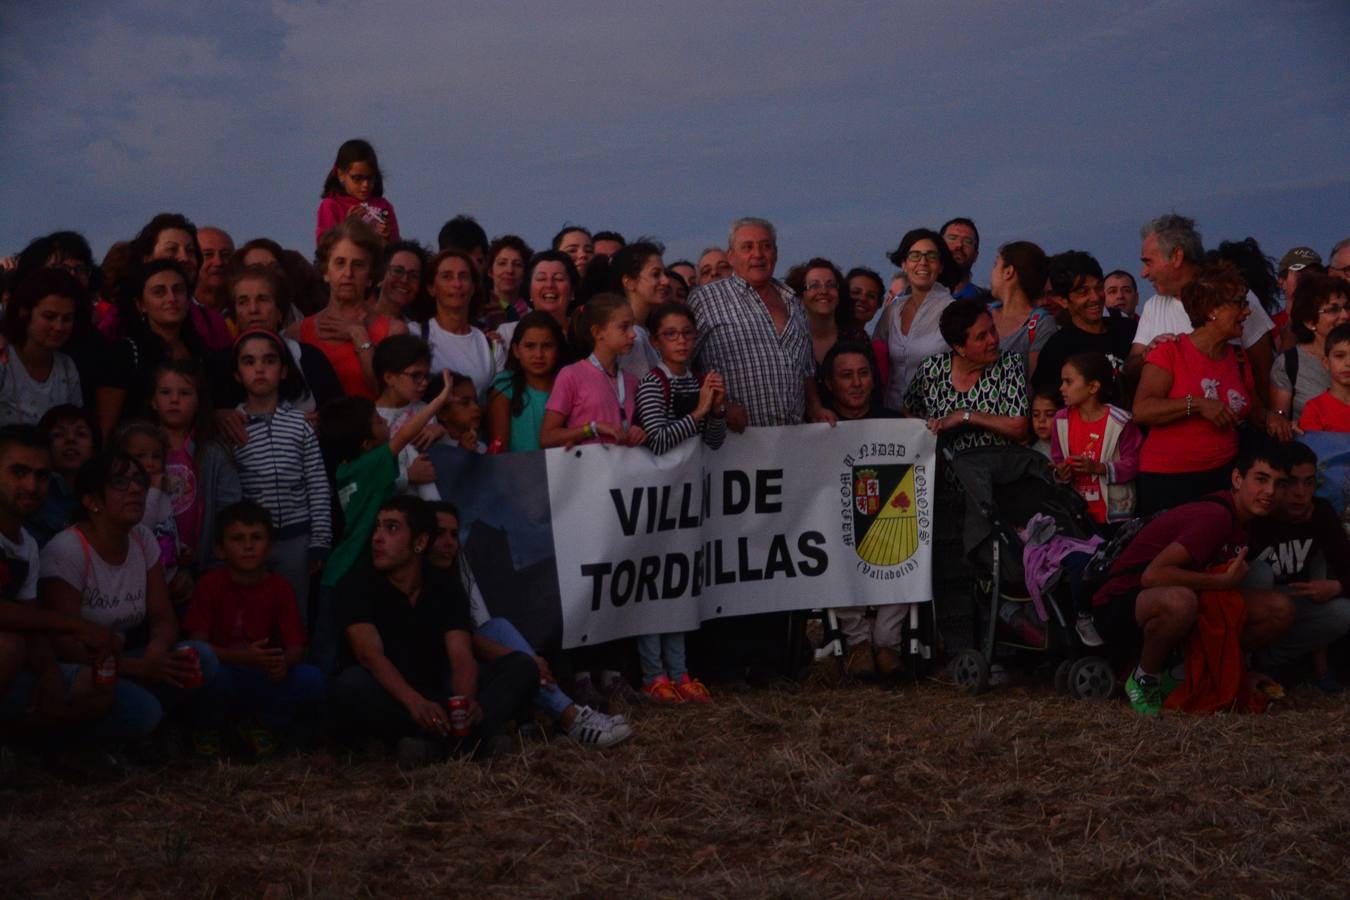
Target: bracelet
x,y
363,347
1190,405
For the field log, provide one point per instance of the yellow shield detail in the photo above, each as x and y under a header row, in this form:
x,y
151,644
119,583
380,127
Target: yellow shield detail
x,y
893,536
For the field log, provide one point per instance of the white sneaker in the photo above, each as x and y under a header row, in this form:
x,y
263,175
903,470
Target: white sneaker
x,y
595,729
1087,631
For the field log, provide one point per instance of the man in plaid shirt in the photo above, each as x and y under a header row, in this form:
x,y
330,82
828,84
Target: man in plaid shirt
x,y
752,329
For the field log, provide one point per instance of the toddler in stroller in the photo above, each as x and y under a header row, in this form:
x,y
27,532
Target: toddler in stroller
x,y
1014,503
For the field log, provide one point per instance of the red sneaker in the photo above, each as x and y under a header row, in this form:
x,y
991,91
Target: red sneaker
x,y
662,690
691,690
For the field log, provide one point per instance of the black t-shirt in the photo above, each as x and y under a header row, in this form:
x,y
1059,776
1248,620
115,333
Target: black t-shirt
x,y
1289,547
1071,340
413,635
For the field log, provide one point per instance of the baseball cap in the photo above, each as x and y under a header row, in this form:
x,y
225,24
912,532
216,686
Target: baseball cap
x,y
1298,259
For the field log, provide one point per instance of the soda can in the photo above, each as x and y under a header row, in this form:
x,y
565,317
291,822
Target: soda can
x,y
105,670
459,716
196,680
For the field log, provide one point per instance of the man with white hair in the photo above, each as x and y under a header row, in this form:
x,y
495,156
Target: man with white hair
x,y
1171,256
752,329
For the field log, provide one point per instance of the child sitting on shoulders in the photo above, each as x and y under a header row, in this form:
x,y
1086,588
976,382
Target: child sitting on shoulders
x,y
250,618
1330,410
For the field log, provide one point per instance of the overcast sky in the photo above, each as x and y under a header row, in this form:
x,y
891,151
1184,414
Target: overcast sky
x,y
845,123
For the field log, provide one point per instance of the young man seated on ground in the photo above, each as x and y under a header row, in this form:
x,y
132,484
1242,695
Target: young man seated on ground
x,y
848,387
39,697
1302,549
252,620
496,637
408,649
1151,598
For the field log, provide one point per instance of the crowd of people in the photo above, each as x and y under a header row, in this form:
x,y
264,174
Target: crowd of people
x,y
220,523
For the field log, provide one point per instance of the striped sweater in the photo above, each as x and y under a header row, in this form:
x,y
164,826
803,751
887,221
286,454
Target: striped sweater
x,y
665,405
280,468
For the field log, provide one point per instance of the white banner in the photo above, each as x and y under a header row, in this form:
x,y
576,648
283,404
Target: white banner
x,y
776,519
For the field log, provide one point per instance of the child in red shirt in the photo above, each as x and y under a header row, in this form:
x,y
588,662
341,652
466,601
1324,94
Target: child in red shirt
x,y
250,618
1094,445
1330,411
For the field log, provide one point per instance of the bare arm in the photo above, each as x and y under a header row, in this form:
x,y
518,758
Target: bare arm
x,y
1169,569
499,418
369,652
463,667
418,420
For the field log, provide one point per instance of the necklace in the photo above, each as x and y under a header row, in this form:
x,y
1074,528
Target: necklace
x,y
616,382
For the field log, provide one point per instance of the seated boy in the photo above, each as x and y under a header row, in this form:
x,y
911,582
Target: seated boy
x,y
1302,548
409,649
1330,411
1151,600
250,618
39,697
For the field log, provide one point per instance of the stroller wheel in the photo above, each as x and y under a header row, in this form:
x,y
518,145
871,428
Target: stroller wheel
x,y
971,671
1091,678
1062,677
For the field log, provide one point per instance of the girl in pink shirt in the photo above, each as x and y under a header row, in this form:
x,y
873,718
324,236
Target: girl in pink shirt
x,y
354,187
593,400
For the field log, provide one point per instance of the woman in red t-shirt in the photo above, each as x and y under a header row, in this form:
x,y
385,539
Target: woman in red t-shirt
x,y
1193,393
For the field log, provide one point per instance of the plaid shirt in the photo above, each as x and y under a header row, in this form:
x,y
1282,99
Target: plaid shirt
x,y
764,371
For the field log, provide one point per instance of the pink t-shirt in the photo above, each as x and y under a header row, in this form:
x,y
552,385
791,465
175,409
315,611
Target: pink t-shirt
x,y
180,484
336,207
583,393
1193,444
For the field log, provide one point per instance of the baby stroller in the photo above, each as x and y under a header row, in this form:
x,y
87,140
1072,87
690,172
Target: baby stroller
x,y
1004,488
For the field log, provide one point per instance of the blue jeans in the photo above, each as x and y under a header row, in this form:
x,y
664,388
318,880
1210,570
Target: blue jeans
x,y
653,648
323,640
549,698
137,709
242,691
18,694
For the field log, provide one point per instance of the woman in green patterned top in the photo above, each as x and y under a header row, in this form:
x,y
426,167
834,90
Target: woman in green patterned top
x,y
975,395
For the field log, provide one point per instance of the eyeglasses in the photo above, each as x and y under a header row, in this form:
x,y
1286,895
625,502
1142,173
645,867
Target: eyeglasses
x,y
1333,309
922,256
417,377
79,270
124,482
401,272
822,285
672,334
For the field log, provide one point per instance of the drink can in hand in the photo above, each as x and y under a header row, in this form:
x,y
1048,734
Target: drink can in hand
x,y
196,679
459,716
105,670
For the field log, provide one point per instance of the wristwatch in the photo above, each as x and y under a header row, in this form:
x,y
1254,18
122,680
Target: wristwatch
x,y
965,417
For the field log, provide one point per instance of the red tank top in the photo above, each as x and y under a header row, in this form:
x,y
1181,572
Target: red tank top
x,y
343,356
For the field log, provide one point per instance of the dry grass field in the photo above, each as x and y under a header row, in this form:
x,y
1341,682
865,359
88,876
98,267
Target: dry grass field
x,y
861,791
